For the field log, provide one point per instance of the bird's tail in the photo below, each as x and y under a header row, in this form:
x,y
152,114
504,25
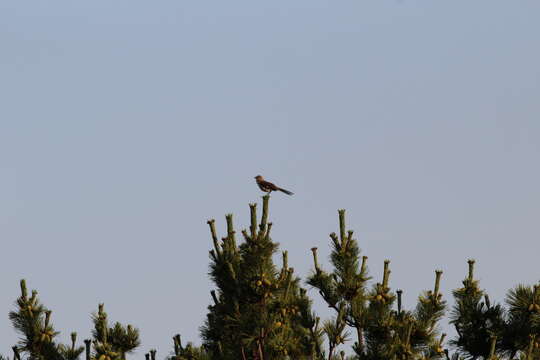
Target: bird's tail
x,y
285,191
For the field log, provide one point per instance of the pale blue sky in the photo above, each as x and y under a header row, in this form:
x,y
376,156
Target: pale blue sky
x,y
125,125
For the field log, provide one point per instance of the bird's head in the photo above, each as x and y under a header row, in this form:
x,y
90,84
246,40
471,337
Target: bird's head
x,y
258,177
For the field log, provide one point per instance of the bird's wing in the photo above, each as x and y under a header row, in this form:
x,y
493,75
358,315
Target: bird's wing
x,y
268,185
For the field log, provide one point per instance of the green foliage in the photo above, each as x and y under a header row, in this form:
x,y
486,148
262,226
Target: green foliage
x,y
475,318
32,320
382,332
259,311
112,343
188,352
71,352
523,319
487,330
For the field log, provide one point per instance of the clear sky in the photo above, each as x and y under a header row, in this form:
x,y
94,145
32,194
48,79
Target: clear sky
x,y
125,125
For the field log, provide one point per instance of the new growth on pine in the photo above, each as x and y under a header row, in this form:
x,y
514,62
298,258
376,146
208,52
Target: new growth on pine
x,y
259,311
111,343
489,331
32,320
380,329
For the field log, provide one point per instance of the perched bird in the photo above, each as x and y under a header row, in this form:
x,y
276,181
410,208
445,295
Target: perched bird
x,y
268,186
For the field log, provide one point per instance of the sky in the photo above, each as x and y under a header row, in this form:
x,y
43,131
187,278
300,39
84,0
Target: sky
x,y
126,125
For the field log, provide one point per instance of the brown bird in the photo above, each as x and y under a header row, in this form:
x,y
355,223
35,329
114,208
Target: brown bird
x,y
268,186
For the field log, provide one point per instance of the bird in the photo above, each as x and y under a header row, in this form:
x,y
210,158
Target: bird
x,y
268,187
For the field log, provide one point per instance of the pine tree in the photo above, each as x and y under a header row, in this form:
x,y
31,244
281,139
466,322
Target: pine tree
x,y
486,330
112,343
475,318
32,320
188,352
522,332
382,332
259,312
